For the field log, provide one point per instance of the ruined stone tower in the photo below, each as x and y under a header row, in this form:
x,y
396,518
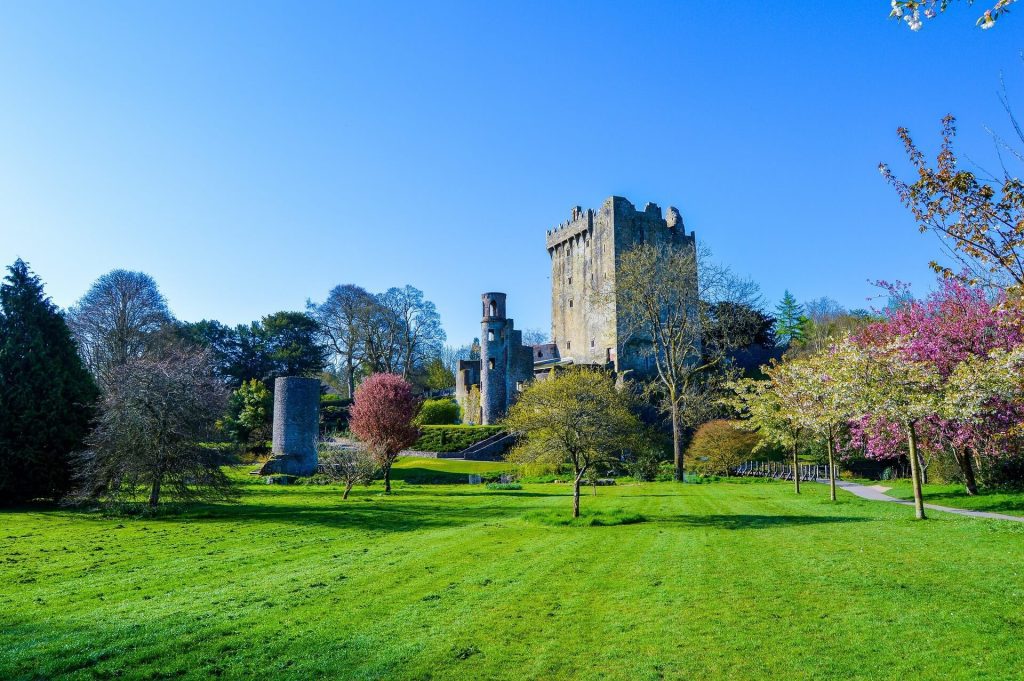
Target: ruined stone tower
x,y
505,364
493,357
296,426
584,255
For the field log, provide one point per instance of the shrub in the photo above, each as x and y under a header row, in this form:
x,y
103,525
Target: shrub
x,y
439,412
504,485
643,465
334,413
452,438
718,447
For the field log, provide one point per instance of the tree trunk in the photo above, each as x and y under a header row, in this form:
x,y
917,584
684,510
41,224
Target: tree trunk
x,y
351,378
796,469
677,446
576,498
831,467
387,479
915,471
967,468
154,494
348,488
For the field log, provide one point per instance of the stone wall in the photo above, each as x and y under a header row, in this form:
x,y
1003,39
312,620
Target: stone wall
x,y
584,253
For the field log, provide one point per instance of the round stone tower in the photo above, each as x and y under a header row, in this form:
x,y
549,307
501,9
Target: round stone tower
x,y
296,424
493,358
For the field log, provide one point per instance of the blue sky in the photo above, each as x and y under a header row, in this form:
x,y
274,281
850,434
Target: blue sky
x,y
252,155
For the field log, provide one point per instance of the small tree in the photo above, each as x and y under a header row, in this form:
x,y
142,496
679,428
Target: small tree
x,y
156,419
764,410
382,418
577,417
883,383
346,465
719,446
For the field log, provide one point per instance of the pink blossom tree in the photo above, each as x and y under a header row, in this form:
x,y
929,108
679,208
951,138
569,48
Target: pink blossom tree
x,y
954,325
382,418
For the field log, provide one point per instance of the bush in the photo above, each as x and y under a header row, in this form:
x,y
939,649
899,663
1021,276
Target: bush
x,y
439,412
718,447
644,465
452,438
504,485
334,413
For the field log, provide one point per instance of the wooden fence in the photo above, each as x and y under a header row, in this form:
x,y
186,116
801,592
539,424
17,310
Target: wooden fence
x,y
781,471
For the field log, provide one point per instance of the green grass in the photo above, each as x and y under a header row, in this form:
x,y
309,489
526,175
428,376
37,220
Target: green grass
x,y
425,471
996,501
723,580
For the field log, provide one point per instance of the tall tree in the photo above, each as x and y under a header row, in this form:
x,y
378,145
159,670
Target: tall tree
x,y
665,298
419,332
765,409
120,318
342,318
578,417
292,345
47,396
790,321
382,418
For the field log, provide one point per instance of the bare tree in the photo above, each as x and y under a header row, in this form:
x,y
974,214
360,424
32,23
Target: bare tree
x,y
342,318
156,419
536,337
665,298
417,333
347,466
119,319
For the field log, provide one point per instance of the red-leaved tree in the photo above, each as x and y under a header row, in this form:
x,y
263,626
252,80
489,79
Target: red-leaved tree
x,y
382,418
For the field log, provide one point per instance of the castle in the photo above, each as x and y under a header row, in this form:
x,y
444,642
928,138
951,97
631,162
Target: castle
x,y
585,326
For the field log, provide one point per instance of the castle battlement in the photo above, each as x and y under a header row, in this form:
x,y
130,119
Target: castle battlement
x,y
584,255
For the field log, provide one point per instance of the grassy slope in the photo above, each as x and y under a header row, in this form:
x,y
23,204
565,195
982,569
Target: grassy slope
x,y
954,495
725,580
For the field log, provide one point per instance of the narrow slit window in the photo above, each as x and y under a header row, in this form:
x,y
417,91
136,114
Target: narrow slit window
x,y
490,335
490,363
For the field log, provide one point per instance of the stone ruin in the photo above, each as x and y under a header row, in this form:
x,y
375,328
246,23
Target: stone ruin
x,y
296,427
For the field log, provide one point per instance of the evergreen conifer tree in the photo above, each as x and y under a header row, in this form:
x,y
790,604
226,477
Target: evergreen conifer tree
x,y
790,322
47,396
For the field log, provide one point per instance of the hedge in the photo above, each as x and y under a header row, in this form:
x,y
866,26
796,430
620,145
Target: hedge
x,y
452,438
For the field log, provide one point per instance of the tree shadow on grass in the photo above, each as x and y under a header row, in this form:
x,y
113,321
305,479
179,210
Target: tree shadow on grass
x,y
395,514
754,521
999,503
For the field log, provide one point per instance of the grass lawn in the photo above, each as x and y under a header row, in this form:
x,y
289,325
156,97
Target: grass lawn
x,y
956,496
725,580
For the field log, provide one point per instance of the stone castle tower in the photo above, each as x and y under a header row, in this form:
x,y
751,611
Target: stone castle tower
x,y
505,364
584,253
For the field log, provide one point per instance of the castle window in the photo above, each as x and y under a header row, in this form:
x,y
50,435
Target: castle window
x,y
540,354
570,281
490,363
591,342
490,335
570,303
568,345
494,309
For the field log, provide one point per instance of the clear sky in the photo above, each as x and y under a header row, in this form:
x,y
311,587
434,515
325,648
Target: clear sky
x,y
251,155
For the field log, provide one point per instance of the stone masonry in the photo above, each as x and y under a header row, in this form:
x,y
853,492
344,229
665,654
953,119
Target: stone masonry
x,y
584,255
296,426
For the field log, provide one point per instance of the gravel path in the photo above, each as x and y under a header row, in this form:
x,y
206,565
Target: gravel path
x,y
878,493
